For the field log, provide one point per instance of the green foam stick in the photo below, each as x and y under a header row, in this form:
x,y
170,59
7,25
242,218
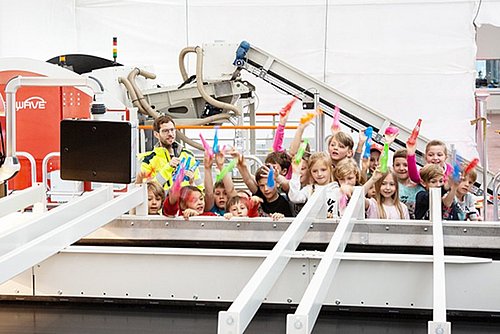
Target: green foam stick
x,y
384,158
301,151
227,169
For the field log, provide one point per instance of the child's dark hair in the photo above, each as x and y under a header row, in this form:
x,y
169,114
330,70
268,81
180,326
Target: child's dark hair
x,y
403,153
219,184
281,158
262,173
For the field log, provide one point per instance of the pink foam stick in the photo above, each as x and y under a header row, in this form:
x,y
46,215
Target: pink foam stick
x,y
336,114
391,130
207,147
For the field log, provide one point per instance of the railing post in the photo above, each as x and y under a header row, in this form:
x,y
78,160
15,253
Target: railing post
x,y
438,325
481,130
236,319
304,318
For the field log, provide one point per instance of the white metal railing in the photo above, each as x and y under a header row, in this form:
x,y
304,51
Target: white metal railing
x,y
304,318
45,168
438,325
236,319
35,240
22,199
32,161
496,186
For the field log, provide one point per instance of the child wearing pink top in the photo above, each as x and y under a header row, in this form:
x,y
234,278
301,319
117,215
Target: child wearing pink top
x,y
435,153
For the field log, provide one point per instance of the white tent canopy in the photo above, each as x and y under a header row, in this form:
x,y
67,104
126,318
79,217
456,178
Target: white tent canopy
x,y
406,59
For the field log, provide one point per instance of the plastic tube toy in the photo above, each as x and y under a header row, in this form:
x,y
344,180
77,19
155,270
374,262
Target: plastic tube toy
x,y
207,147
336,115
384,158
471,166
414,134
270,178
227,169
286,109
368,143
215,147
301,151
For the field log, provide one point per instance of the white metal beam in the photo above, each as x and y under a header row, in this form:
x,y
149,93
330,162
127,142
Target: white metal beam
x,y
302,322
240,313
21,199
16,259
438,325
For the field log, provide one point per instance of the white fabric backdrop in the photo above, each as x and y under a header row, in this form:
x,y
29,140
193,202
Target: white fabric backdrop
x,y
406,59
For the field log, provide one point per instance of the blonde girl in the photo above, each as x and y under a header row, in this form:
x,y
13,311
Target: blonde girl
x,y
320,172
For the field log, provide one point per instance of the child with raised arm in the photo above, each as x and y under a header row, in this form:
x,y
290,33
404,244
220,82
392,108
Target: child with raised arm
x,y
435,153
187,202
321,175
408,190
464,200
432,176
216,195
273,203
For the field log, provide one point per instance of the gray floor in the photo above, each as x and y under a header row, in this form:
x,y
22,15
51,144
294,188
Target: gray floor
x,y
111,319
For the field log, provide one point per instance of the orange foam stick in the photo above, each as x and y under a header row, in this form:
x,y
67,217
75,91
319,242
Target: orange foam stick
x,y
307,117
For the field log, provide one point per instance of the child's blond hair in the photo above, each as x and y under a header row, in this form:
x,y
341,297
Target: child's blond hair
x,y
431,171
436,142
315,158
156,189
346,167
343,138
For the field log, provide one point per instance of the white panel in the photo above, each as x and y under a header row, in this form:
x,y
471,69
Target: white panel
x,y
149,32
219,275
170,277
37,29
21,285
408,60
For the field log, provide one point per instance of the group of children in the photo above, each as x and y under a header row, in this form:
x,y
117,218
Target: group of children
x,y
289,178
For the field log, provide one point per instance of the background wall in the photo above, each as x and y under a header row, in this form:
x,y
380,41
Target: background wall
x,y
407,59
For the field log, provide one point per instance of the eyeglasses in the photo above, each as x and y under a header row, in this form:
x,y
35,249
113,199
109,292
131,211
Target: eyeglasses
x,y
168,130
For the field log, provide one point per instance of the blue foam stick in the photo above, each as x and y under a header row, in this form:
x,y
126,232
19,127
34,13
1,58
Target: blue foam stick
x,y
215,148
368,143
192,169
270,178
456,171
178,169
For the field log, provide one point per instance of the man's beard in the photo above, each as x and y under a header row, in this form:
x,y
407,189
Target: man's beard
x,y
165,143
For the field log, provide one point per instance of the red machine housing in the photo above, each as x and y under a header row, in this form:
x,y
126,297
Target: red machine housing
x,y
39,112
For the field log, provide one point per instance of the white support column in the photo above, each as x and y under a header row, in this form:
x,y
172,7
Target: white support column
x,y
438,325
21,199
302,322
236,319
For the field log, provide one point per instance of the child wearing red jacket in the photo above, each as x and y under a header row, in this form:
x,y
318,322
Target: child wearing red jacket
x,y
187,202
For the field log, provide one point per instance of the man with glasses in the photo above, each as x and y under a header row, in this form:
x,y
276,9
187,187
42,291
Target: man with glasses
x,y
161,163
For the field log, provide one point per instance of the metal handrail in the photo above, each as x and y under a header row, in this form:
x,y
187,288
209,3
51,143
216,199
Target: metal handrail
x,y
236,319
496,186
32,163
304,318
45,168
